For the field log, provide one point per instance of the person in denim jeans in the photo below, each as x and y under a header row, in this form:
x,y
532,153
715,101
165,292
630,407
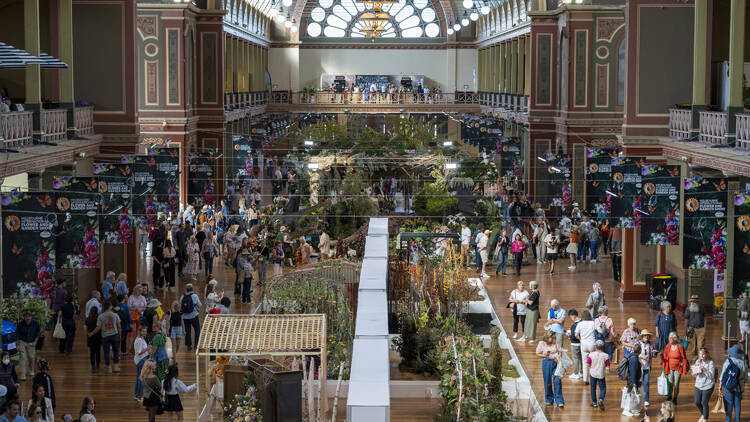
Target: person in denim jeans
x,y
648,351
140,356
550,352
733,397
503,243
594,241
599,362
190,319
108,324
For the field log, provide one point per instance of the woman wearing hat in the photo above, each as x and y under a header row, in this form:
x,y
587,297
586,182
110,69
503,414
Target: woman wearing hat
x,y
647,353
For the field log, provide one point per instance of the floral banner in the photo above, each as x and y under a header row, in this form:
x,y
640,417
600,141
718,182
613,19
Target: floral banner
x,y
29,220
624,190
242,159
156,185
705,233
558,171
481,131
201,179
510,157
659,205
741,242
598,177
115,186
77,233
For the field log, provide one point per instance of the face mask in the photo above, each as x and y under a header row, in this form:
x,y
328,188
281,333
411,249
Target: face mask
x,y
6,361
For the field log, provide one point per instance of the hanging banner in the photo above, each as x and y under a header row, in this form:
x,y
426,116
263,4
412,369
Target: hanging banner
x,y
77,233
659,205
156,185
201,179
115,186
242,159
741,242
29,221
558,171
705,208
510,157
624,190
598,177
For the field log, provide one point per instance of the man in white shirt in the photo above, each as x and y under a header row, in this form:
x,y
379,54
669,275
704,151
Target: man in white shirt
x,y
483,240
465,240
552,241
95,301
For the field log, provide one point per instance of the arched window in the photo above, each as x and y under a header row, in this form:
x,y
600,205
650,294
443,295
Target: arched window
x,y
351,18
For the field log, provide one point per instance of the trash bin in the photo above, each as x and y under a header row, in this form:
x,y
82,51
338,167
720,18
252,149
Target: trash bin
x,y
661,287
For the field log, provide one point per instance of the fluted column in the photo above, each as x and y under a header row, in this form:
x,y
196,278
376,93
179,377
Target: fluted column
x,y
501,69
33,75
520,76
736,65
65,53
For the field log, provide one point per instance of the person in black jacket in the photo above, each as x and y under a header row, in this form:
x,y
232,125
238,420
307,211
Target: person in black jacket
x,y
45,380
635,375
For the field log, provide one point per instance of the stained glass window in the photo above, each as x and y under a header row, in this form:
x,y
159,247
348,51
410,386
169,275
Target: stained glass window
x,y
344,18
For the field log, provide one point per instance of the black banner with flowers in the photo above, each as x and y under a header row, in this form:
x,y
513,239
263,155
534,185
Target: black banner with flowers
x,y
77,232
558,176
510,157
741,243
29,221
625,188
201,179
598,178
659,205
156,185
242,159
115,186
705,233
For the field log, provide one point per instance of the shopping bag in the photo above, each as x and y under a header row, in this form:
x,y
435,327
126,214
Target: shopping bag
x,y
559,370
719,406
634,401
624,398
566,361
662,385
59,332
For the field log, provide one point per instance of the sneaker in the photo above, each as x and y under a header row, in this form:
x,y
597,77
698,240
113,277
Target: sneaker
x,y
626,414
601,405
521,340
593,261
561,405
645,403
594,405
574,376
515,335
570,267
532,341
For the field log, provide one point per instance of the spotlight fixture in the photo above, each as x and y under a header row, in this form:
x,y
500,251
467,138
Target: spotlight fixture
x,y
280,18
485,8
288,24
465,19
447,144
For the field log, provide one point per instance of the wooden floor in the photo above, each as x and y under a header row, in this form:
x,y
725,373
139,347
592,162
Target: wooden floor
x,y
572,288
114,393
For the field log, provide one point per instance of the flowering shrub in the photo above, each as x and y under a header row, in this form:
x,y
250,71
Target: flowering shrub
x,y
245,408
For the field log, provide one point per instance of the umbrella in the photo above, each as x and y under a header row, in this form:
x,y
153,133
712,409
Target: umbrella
x,y
15,58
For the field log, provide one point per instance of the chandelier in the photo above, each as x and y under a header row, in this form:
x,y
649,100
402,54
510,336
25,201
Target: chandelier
x,y
375,18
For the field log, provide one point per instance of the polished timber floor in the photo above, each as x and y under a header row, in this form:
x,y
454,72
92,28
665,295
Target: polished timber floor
x,y
114,393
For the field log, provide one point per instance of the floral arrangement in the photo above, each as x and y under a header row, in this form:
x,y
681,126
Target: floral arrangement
x,y
13,308
566,196
126,230
245,408
669,234
61,182
173,198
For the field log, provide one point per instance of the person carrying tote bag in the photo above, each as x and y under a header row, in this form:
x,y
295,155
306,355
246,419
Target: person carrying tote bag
x,y
59,332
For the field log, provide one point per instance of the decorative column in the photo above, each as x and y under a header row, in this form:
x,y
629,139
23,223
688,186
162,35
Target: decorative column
x,y
495,71
499,65
65,53
730,302
33,75
527,56
736,65
227,64
521,78
513,68
506,58
631,289
700,48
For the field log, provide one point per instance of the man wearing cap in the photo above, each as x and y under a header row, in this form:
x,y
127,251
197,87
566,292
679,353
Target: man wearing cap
x,y
647,353
695,317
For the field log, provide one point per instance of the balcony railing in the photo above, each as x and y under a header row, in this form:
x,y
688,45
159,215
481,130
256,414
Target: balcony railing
x,y
54,124
16,128
84,120
680,120
514,102
743,131
377,99
713,127
237,100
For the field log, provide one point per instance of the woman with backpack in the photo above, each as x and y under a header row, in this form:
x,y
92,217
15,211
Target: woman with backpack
x,y
665,324
733,375
152,390
704,371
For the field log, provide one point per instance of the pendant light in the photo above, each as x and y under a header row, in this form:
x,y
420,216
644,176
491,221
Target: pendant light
x,y
450,31
280,15
467,4
456,26
485,8
465,19
286,3
474,14
294,28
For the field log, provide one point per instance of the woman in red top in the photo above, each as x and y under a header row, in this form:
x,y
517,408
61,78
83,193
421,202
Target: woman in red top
x,y
674,361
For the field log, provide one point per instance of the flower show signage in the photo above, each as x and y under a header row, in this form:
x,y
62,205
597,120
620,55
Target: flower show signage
x,y
659,205
200,179
510,157
705,208
77,233
115,186
156,185
741,242
624,190
598,176
242,158
29,222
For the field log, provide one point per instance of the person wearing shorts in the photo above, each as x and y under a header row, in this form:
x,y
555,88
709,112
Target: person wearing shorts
x,y
176,330
552,241
465,240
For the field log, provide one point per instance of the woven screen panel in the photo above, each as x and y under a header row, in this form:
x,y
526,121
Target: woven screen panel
x,y
263,333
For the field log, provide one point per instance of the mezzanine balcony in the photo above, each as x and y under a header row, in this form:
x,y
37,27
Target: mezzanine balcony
x,y
17,127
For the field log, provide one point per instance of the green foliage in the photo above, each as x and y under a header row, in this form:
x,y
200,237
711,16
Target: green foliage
x,y
495,362
13,309
434,200
483,207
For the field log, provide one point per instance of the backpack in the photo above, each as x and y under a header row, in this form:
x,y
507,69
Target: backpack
x,y
731,376
601,336
187,306
623,369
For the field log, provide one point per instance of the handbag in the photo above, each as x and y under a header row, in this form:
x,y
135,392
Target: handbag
x,y
719,406
662,385
59,332
566,361
160,406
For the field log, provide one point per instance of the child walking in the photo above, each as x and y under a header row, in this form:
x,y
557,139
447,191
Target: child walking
x,y
172,389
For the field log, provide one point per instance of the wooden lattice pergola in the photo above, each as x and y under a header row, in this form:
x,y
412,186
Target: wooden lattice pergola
x,y
259,335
